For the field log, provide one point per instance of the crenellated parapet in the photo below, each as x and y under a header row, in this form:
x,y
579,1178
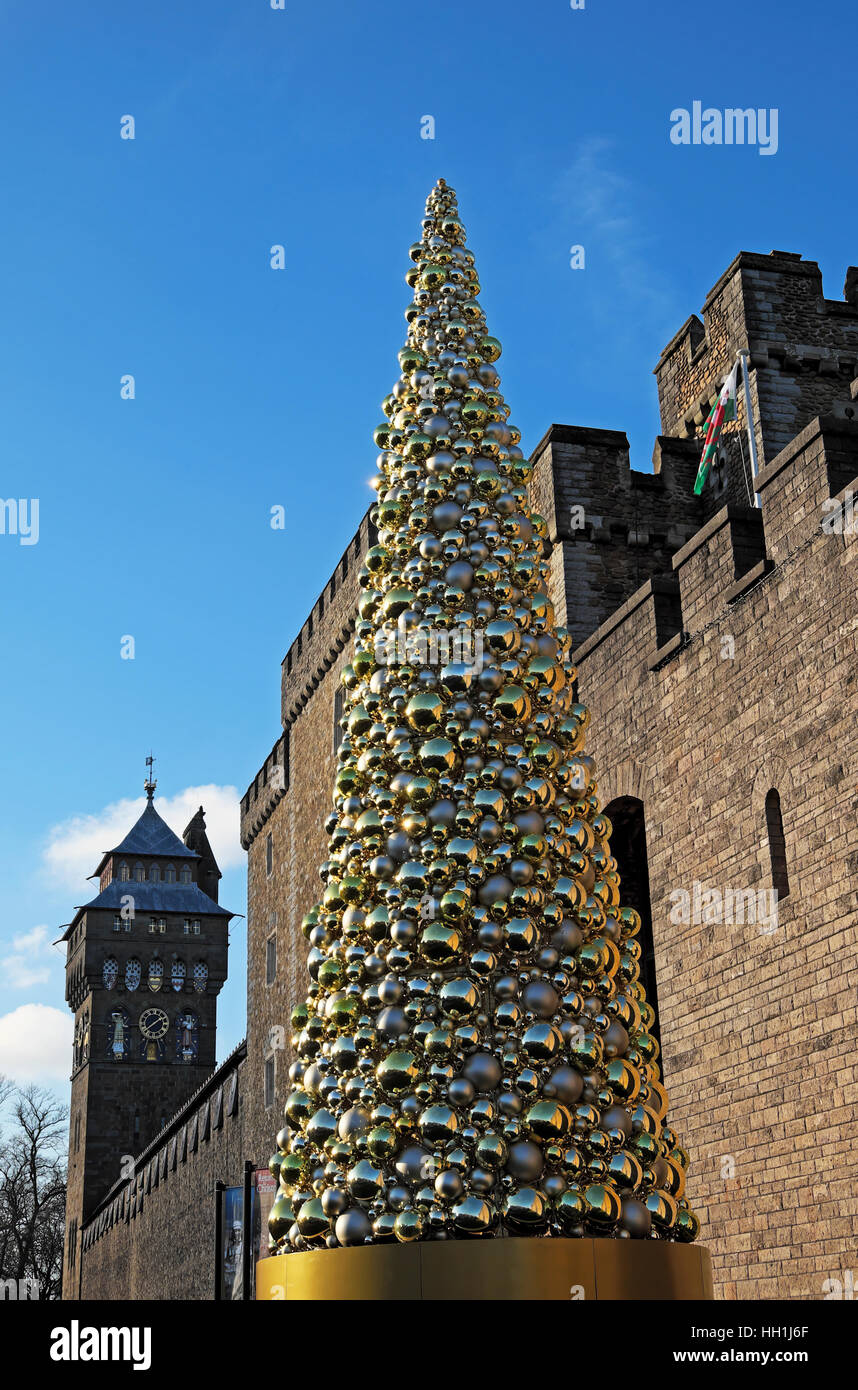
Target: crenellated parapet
x,y
611,526
738,548
314,652
328,628
267,789
803,352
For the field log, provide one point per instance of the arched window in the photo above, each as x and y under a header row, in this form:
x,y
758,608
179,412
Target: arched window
x,y
628,846
154,873
177,974
201,975
124,875
185,875
139,872
156,974
187,1036
132,973
110,972
777,844
118,1035
170,874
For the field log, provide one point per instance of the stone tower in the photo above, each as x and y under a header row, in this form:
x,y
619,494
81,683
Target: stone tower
x,y
146,959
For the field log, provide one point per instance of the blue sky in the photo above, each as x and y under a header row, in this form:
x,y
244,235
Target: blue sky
x,y
256,387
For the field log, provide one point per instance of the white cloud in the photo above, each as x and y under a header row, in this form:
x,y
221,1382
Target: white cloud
x,y
613,217
29,960
77,844
30,940
36,1044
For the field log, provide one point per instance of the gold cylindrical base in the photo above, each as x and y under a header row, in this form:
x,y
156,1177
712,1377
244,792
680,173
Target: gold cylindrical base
x,y
512,1268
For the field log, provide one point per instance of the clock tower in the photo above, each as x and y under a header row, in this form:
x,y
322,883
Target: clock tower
x,y
146,959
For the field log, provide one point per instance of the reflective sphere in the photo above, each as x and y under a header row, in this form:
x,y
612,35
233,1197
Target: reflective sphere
x,y
475,1053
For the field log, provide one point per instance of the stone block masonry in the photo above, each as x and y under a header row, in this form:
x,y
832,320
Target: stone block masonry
x,y
803,348
758,1025
282,827
152,1236
716,649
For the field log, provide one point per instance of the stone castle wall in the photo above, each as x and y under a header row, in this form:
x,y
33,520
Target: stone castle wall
x,y
289,801
803,349
649,578
630,523
154,1234
716,651
760,692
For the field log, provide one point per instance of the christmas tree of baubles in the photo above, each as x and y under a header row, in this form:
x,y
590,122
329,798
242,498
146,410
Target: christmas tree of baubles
x,y
474,1057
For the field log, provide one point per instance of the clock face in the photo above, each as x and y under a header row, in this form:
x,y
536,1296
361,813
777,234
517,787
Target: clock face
x,y
154,1023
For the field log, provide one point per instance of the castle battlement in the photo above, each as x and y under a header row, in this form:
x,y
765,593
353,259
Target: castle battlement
x,y
327,629
315,650
624,536
268,787
803,347
716,564
611,526
737,548
813,468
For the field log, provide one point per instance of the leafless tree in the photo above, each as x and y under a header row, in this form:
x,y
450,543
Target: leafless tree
x,y
32,1187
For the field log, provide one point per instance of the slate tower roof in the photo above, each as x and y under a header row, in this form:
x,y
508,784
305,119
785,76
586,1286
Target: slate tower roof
x,y
152,835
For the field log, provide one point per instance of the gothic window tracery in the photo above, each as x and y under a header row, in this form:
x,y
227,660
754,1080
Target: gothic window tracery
x,y
177,974
110,972
201,975
155,974
132,973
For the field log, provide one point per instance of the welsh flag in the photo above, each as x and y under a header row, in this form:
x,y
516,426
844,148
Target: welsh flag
x,y
723,409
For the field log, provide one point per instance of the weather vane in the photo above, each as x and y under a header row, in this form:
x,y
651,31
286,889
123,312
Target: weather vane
x,y
150,784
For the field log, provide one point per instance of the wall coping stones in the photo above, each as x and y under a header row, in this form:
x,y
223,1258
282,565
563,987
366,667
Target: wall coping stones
x,y
657,585
581,435
816,428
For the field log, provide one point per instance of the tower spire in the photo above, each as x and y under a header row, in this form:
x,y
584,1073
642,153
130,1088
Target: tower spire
x,y
474,1054
151,782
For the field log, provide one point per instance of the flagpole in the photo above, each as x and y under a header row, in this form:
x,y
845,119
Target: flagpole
x,y
749,412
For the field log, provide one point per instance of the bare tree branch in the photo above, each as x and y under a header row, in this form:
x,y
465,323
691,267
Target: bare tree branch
x,y
32,1187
